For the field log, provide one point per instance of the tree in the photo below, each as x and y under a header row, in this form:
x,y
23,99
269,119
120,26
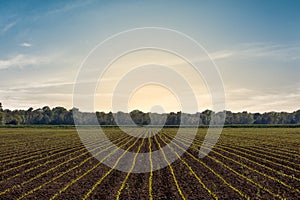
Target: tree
x,y
137,117
59,114
246,118
297,117
206,116
2,118
101,116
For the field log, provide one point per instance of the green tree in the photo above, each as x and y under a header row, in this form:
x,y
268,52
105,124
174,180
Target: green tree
x,y
2,118
297,117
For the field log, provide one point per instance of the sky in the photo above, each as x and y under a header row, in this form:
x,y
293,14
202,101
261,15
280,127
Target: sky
x,y
255,45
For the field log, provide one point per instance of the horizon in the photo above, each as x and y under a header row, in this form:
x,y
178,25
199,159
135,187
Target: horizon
x,y
127,112
256,46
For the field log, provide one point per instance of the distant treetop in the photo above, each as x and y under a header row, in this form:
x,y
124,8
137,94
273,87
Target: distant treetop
x,y
62,116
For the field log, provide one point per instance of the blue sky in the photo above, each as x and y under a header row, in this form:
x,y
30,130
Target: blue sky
x,y
256,45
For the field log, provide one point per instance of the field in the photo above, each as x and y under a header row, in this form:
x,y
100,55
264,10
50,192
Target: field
x,y
246,163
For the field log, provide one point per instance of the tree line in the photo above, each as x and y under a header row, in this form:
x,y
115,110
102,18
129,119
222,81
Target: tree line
x,y
62,116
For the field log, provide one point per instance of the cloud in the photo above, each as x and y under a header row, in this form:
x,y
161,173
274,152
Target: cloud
x,y
70,6
21,61
221,54
23,100
251,50
25,44
276,51
9,26
240,99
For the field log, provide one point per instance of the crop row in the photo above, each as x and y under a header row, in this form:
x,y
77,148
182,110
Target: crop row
x,y
229,171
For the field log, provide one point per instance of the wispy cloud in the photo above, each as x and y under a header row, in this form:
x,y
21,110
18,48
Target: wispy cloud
x,y
44,87
221,54
25,44
70,6
256,100
9,26
270,50
21,61
276,51
24,100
